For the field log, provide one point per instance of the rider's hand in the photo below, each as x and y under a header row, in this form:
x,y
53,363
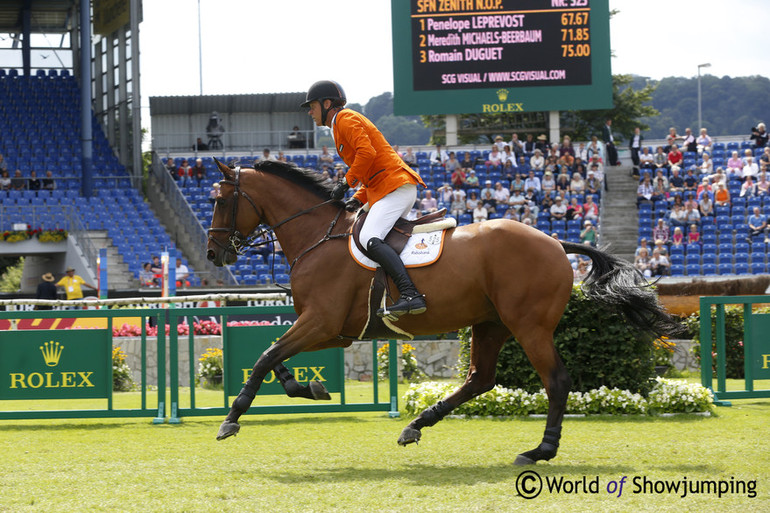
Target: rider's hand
x,y
352,205
339,190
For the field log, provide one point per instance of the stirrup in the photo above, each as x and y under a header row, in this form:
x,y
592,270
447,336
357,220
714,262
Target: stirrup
x,y
405,305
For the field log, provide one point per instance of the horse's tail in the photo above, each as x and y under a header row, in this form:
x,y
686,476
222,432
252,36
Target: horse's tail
x,y
618,284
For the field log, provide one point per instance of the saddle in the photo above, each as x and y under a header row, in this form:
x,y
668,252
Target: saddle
x,y
377,327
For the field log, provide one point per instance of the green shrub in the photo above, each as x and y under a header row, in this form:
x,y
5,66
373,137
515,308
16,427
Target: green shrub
x,y
598,347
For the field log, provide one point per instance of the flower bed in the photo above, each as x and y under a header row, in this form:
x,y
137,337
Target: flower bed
x,y
199,328
667,396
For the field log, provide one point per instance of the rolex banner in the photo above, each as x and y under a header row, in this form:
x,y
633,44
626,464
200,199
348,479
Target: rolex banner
x,y
43,364
245,344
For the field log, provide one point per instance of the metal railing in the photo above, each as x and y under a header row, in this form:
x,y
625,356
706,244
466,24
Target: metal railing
x,y
247,143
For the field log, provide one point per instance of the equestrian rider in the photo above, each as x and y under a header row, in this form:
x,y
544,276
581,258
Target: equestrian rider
x,y
386,184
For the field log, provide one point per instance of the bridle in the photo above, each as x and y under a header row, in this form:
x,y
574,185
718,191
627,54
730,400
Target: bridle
x,y
237,243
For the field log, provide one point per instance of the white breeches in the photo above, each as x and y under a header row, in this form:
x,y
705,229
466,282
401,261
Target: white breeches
x,y
384,214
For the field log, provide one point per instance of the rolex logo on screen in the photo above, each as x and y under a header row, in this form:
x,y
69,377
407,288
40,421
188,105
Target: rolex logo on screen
x,y
51,353
502,94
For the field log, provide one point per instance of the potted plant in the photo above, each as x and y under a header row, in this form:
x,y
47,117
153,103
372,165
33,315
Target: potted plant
x,y
662,350
210,367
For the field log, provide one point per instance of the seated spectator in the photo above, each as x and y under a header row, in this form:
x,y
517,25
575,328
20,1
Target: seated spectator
x,y
594,148
644,191
49,183
5,181
472,180
532,182
722,195
458,206
704,141
172,168
734,164
577,185
593,185
642,245
707,166
757,222
517,184
706,205
296,138
677,239
199,145
759,136
660,265
537,161
693,236
156,268
660,158
590,209
266,155
750,168
282,157
452,163
199,172
509,156
765,157
675,156
213,193
660,231
438,156
642,263
646,159
480,213
575,209
659,190
748,188
532,200
445,193
495,158
582,271
34,183
3,164
661,246
428,204
763,185
692,214
677,217
467,163
689,143
18,182
703,188
548,184
588,235
511,214
409,157
185,173
182,274
501,194
691,181
562,184
471,202
558,209
459,178
487,195
528,215
147,277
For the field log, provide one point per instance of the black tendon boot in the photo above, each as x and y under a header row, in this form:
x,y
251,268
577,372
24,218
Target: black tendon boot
x,y
411,301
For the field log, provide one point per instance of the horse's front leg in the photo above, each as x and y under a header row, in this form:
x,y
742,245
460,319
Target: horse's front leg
x,y
313,390
305,333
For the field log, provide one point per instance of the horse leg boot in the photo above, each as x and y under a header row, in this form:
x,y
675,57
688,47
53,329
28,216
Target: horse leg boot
x,y
410,301
429,417
313,390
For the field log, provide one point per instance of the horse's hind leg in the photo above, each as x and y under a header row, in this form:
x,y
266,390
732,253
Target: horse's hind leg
x,y
313,390
538,345
486,341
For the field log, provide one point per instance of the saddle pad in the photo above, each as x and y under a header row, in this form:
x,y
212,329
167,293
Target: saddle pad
x,y
422,248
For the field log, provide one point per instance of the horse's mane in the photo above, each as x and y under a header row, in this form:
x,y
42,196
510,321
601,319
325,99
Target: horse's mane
x,y
308,179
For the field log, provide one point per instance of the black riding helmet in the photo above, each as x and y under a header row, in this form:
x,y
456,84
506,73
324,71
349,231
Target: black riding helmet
x,y
325,90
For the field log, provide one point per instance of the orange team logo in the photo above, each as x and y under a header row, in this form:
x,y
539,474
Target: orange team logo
x,y
421,244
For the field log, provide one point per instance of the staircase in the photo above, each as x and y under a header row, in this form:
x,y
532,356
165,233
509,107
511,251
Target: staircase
x,y
118,275
619,218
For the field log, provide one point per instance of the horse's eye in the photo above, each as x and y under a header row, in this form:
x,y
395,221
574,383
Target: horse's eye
x,y
221,202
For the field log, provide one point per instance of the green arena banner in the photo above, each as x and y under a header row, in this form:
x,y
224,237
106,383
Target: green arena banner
x,y
44,364
760,346
245,344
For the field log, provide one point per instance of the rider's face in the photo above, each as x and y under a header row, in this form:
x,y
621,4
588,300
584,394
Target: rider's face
x,y
314,111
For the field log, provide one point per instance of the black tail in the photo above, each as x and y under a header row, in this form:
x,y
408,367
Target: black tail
x,y
618,284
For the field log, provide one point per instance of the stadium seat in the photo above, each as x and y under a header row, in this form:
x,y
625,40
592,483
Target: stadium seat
x,y
725,267
710,269
677,270
758,268
693,270
742,268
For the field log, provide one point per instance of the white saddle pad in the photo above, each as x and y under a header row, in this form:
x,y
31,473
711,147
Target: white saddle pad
x,y
423,248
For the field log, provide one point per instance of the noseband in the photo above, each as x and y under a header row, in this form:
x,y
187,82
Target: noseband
x,y
237,242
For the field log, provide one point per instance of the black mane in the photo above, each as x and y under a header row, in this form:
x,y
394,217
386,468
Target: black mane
x,y
308,179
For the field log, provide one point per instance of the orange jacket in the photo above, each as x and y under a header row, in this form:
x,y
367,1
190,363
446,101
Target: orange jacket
x,y
374,165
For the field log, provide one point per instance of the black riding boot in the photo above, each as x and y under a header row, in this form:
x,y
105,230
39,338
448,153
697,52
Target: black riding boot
x,y
411,301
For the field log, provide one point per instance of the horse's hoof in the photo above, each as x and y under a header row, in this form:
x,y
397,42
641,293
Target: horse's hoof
x,y
319,391
409,435
228,429
523,460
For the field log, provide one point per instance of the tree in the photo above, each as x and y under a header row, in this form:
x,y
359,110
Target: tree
x,y
401,130
629,106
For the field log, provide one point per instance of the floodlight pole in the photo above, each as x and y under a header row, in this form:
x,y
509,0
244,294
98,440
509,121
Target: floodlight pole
x,y
200,50
700,116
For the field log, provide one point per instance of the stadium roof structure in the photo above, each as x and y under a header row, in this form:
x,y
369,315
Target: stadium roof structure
x,y
46,16
270,102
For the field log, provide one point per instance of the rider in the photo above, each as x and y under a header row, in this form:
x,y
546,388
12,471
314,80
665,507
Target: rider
x,y
387,185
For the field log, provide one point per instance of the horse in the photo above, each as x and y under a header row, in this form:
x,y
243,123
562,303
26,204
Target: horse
x,y
500,277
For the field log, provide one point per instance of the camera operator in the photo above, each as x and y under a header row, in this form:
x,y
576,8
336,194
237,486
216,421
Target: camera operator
x,y
759,136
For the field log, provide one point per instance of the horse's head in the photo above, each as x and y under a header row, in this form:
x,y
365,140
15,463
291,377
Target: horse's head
x,y
235,217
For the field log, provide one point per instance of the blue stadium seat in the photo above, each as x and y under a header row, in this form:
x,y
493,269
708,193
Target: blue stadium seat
x,y
758,268
742,268
725,267
677,270
710,269
693,270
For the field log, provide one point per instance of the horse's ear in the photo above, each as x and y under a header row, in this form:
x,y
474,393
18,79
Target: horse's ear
x,y
226,171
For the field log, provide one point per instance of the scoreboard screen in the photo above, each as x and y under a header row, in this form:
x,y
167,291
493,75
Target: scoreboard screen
x,y
487,56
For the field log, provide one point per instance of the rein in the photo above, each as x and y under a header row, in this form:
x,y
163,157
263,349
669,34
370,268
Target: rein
x,y
238,243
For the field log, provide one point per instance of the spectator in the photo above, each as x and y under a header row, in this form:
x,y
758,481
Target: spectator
x,y
537,161
660,231
480,213
532,182
459,178
529,145
693,236
199,172
660,158
692,214
722,196
734,164
704,141
200,145
182,274
588,235
213,193
445,193
659,264
409,157
689,143
750,168
428,204
558,209
3,164
34,183
609,142
512,214
759,136
472,180
575,209
677,217
562,184
676,184
594,148
509,157
438,156
471,202
157,268
495,158
516,146
758,224
590,209
646,159
327,158
659,190
677,239
185,173
266,155
499,142
296,138
452,163
642,245
675,157
644,191
172,168
642,263
691,181
5,181
548,184
763,185
487,196
458,206
517,200
46,290
528,215
72,284
531,199
49,183
706,205
635,145
748,188
147,277
661,246
517,184
18,182
501,194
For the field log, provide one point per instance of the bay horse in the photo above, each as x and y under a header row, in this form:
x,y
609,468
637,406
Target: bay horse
x,y
500,277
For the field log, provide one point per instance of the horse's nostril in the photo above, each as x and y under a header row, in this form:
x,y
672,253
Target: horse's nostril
x,y
210,255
